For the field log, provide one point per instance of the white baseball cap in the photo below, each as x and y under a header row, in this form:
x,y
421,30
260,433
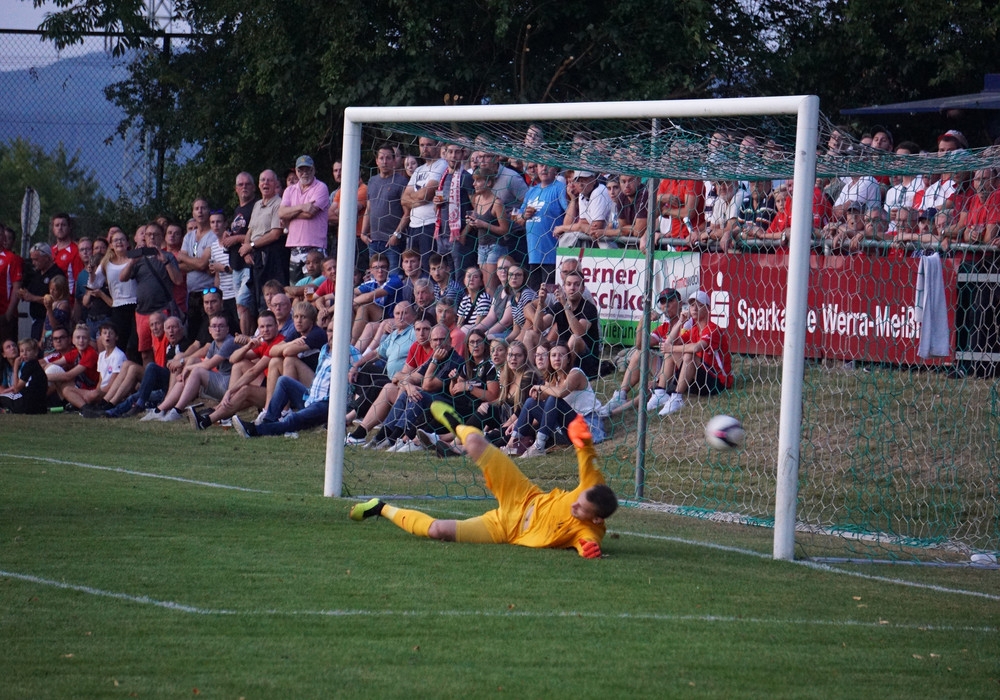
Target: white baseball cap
x,y
700,297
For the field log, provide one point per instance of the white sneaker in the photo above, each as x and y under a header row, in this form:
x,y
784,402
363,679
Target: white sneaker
x,y
618,399
533,451
260,417
675,403
409,446
151,414
170,416
427,439
226,422
355,441
385,444
657,400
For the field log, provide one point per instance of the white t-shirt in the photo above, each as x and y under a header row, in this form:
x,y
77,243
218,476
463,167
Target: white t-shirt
x,y
426,214
108,365
596,207
865,192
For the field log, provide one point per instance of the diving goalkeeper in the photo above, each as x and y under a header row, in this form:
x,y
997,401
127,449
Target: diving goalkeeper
x,y
527,516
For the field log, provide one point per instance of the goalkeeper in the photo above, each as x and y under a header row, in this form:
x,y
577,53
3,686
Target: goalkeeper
x,y
527,516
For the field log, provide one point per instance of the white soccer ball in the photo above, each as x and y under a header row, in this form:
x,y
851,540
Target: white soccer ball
x,y
724,433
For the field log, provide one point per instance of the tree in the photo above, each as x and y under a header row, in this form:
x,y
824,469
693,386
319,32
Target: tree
x,y
62,186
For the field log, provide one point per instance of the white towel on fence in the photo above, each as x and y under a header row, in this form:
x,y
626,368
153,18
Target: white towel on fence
x,y
932,309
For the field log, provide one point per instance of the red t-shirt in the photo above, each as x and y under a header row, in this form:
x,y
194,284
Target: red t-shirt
x,y
90,376
11,271
981,213
68,259
715,358
418,355
681,189
264,349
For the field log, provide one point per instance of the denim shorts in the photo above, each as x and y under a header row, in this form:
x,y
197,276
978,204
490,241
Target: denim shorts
x,y
490,253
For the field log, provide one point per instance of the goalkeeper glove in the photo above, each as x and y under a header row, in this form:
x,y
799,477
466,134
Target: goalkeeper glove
x,y
591,550
579,432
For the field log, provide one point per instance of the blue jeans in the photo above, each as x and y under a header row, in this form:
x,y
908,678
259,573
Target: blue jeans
x,y
553,416
152,389
421,239
293,393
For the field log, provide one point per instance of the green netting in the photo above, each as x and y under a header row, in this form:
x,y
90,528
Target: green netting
x,y
899,456
744,148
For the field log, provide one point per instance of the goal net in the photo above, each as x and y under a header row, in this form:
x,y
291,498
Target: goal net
x,y
895,455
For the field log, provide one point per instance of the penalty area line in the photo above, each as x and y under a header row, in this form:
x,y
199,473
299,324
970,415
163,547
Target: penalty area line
x,y
131,472
527,614
815,565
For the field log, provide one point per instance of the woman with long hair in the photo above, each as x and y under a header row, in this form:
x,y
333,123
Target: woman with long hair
x,y
565,393
57,309
475,381
122,292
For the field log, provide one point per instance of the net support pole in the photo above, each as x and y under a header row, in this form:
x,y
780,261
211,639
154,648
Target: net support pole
x,y
796,312
343,310
643,335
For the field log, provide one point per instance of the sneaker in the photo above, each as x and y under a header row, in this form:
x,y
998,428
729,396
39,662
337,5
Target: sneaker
x,y
407,446
533,451
242,428
427,439
151,414
170,416
617,400
657,400
368,509
226,422
675,403
93,411
445,449
260,418
356,441
194,419
384,444
134,411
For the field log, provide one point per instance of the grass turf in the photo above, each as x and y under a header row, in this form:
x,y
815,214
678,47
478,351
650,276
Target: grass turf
x,y
119,584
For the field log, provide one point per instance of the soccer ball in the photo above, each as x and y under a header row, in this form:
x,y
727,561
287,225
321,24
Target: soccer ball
x,y
724,433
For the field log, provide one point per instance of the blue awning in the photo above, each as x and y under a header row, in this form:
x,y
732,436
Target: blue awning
x,y
989,98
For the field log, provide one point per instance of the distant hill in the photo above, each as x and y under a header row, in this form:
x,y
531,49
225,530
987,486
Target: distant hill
x,y
64,103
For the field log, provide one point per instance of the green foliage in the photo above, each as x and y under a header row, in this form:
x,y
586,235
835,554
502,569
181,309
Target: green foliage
x,y
62,186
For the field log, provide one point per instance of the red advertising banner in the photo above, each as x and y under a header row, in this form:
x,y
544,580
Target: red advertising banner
x,y
860,307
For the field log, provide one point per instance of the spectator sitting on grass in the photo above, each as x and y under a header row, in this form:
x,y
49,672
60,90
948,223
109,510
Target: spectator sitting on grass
x,y
158,375
27,393
79,365
109,364
298,356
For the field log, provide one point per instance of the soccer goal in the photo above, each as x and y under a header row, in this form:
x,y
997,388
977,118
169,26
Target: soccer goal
x,y
858,446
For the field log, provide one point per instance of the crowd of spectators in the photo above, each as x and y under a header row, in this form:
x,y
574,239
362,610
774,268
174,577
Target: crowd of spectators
x,y
457,296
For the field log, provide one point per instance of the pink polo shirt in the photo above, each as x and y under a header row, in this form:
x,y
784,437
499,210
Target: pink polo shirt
x,y
307,232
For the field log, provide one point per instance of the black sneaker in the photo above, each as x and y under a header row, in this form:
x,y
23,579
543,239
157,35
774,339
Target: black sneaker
x,y
245,430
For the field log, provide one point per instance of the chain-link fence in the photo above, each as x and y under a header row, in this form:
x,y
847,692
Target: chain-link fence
x,y
58,134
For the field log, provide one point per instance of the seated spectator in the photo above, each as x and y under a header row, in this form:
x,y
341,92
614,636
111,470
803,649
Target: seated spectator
x,y
109,365
384,358
668,306
158,374
408,413
908,192
844,237
516,379
409,261
323,297
695,358
474,303
475,381
500,294
307,285
441,281
860,192
518,315
131,372
308,406
448,317
573,322
565,393
27,394
79,365
281,306
208,374
247,379
9,356
62,343
418,354
298,356
372,299
779,228
423,299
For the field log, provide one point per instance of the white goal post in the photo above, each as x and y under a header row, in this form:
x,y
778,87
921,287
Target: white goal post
x,y
806,109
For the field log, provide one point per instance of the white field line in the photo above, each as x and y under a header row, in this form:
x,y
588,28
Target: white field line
x,y
695,543
120,470
639,617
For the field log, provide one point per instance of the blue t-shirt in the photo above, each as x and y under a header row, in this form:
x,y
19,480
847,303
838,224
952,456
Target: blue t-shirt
x,y
549,203
315,340
393,286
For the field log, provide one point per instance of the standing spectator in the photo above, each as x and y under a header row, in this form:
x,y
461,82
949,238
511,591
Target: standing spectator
x,y
36,284
193,260
383,225
11,273
488,221
123,291
232,240
981,221
264,239
453,200
57,310
418,197
361,253
333,213
65,252
543,209
908,193
304,206
156,276
594,212
682,209
220,269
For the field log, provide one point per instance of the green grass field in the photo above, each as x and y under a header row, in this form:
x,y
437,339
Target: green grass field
x,y
159,562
